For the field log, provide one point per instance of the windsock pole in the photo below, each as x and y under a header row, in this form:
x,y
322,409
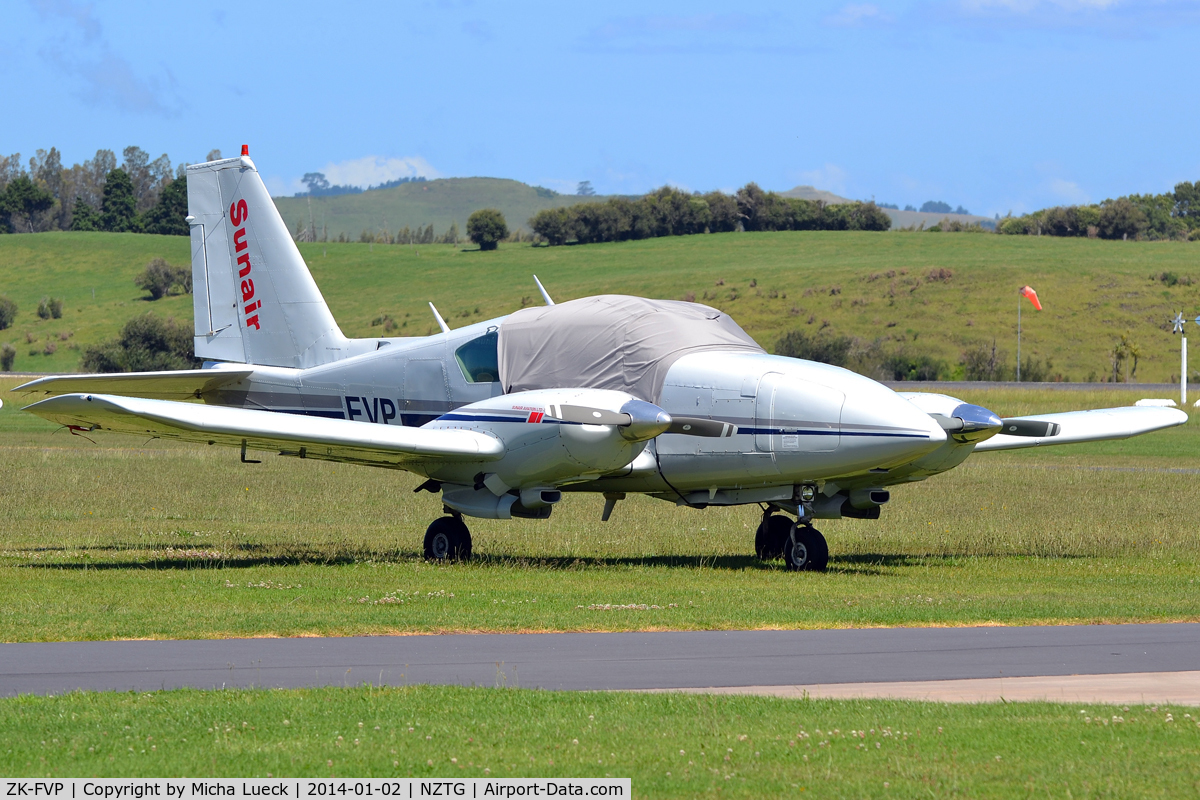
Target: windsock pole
x,y
1024,291
1177,324
1183,372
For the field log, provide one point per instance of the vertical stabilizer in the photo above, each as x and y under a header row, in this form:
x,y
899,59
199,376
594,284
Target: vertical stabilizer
x,y
255,300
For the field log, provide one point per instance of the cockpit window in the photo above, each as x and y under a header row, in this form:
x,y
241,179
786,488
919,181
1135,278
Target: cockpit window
x,y
479,360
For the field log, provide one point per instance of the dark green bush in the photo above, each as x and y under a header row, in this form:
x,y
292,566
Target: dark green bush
x,y
671,212
903,365
146,343
486,227
161,279
984,363
8,312
50,307
825,349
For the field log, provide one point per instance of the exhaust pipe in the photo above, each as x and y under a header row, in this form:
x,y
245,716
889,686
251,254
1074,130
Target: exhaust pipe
x,y
869,498
539,497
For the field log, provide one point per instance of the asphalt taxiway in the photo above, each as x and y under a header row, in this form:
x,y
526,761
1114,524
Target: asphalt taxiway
x,y
773,662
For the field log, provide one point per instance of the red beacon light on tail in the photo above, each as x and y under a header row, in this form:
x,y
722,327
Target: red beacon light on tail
x,y
245,149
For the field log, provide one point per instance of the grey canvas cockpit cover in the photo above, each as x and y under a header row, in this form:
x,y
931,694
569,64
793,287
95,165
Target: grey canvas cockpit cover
x,y
610,342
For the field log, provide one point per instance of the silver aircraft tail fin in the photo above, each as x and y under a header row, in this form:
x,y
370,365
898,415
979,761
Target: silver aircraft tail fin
x,y
255,300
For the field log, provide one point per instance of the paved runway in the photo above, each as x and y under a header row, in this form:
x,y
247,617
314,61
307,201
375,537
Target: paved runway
x,y
605,660
1124,688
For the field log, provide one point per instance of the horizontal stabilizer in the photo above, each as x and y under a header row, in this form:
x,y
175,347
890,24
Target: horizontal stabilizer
x,y
307,437
175,385
1082,426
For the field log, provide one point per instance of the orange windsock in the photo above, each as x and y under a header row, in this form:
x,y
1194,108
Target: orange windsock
x,y
1027,291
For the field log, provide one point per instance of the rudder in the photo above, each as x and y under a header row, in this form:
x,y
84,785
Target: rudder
x,y
255,300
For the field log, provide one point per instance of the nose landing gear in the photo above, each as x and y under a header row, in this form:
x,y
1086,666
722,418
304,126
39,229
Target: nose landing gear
x,y
448,539
801,545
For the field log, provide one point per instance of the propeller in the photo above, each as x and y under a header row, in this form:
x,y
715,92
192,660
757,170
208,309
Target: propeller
x,y
1016,426
641,421
699,426
584,415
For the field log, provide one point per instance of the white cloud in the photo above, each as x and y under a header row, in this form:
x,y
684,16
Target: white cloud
x,y
1118,19
1069,191
830,177
360,172
103,77
1027,6
374,170
857,15
560,185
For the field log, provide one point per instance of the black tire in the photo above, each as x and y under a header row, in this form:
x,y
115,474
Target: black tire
x,y
771,536
805,549
447,539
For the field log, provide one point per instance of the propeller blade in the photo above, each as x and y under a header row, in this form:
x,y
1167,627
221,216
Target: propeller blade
x,y
698,426
589,416
1015,426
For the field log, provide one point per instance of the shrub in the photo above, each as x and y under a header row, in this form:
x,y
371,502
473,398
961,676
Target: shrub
x,y
1120,218
8,312
825,349
1013,226
1035,371
146,343
161,279
553,225
486,227
50,307
8,354
903,365
983,363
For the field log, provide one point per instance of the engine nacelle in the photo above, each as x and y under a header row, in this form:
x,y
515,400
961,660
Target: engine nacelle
x,y
541,450
482,502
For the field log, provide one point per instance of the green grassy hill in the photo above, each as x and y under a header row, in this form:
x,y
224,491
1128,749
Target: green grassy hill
x,y
934,293
439,202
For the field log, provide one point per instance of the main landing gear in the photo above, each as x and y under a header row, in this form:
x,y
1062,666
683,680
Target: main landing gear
x,y
801,545
448,539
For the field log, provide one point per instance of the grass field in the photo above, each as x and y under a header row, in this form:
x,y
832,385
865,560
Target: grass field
x,y
131,539
669,745
874,286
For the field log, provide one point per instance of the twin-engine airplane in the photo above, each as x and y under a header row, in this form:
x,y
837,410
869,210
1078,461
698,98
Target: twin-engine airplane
x,y
607,394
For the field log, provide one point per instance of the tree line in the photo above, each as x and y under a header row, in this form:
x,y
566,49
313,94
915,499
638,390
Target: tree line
x,y
140,195
1155,217
319,186
671,212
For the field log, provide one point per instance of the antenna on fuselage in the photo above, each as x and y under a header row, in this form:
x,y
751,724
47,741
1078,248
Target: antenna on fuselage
x,y
542,289
438,317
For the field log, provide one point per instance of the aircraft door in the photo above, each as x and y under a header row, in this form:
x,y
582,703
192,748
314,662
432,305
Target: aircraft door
x,y
426,391
797,416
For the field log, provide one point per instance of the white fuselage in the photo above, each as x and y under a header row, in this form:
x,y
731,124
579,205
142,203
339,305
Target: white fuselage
x,y
798,422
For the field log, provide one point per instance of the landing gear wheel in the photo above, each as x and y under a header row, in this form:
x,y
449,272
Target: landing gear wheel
x,y
772,536
805,549
447,539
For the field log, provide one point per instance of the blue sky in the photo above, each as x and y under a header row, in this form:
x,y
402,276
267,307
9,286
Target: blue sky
x,y
998,105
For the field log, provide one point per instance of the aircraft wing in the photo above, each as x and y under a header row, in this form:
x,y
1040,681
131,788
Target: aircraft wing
x,y
175,385
1081,426
307,437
